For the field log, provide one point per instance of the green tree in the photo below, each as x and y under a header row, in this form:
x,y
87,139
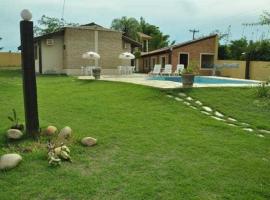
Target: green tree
x,y
50,24
130,26
237,48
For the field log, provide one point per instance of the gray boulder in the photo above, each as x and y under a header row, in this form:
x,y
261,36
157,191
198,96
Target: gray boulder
x,y
14,134
89,141
65,132
9,161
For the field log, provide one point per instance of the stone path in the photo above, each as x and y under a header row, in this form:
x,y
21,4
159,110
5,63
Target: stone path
x,y
215,114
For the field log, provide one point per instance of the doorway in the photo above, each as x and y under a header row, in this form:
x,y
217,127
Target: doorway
x,y
183,59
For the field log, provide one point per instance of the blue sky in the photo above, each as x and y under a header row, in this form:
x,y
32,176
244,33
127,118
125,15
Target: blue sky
x,y
174,17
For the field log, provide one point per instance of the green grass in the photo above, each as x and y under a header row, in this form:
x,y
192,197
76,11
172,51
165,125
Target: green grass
x,y
149,146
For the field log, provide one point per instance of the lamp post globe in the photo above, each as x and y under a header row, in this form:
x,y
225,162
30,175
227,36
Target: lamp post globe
x,y
26,15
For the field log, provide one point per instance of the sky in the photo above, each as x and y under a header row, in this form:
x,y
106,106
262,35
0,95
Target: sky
x,y
174,17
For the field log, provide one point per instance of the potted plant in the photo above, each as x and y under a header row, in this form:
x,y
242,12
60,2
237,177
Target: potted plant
x,y
15,121
188,76
96,72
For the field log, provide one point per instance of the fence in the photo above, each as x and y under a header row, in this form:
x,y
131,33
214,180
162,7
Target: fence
x,y
9,60
259,70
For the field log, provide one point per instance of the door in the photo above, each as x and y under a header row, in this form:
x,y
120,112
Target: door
x,y
183,59
163,62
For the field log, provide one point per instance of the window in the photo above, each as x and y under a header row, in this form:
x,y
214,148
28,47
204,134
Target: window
x,y
207,61
124,45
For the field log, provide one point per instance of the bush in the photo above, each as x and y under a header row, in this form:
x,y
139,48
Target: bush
x,y
263,90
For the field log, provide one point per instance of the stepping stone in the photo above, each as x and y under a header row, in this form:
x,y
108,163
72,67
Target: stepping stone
x,y
245,124
206,113
232,119
170,96
264,131
260,135
217,118
181,94
178,99
248,129
233,125
218,114
193,107
208,109
189,99
187,103
199,103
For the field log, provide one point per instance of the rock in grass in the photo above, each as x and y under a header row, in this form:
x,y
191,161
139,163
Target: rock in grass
x,y
187,103
248,129
264,131
178,99
51,130
9,161
217,118
207,109
189,99
65,132
218,114
89,141
199,103
181,94
170,96
232,119
14,134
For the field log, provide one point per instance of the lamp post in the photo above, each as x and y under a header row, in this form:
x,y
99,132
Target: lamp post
x,y
28,75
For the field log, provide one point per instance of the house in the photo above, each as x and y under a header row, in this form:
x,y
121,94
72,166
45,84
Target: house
x,y
61,51
201,52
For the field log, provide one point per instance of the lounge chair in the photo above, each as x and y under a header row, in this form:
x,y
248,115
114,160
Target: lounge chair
x,y
167,70
156,70
179,69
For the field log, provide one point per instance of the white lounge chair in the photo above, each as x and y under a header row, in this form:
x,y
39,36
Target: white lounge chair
x,y
167,70
156,70
179,69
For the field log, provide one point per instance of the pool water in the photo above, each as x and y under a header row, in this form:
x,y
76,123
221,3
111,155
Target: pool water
x,y
204,80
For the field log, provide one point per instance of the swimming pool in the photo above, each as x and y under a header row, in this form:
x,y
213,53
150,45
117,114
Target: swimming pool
x,y
205,80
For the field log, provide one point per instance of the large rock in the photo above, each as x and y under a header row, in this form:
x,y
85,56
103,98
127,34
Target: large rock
x,y
14,134
89,141
9,161
65,132
51,130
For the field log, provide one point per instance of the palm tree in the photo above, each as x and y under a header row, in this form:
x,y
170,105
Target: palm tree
x,y
130,26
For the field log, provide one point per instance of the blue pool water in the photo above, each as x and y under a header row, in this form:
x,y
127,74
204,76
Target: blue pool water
x,y
203,80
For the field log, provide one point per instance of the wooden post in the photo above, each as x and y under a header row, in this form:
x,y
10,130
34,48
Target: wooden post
x,y
247,72
29,77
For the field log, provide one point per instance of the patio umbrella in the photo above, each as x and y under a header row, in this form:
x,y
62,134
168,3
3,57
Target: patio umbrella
x,y
91,55
126,56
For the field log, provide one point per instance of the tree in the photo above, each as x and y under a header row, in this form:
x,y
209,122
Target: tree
x,y
1,47
237,48
130,27
50,24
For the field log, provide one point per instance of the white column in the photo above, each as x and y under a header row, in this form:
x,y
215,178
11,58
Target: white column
x,y
146,45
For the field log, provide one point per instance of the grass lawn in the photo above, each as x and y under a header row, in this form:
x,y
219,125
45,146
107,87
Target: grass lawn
x,y
149,146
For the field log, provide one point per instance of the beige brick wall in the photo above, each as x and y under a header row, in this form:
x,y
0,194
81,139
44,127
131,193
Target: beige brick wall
x,y
79,41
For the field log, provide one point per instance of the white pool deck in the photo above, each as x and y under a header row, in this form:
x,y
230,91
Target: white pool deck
x,y
142,79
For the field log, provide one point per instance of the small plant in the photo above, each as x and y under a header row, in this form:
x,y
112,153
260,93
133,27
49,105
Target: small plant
x,y
263,90
15,121
191,69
